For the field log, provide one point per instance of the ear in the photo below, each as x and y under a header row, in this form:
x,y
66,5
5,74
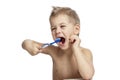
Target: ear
x,y
76,29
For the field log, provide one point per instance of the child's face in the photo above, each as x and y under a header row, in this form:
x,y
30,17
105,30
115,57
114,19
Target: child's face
x,y
62,27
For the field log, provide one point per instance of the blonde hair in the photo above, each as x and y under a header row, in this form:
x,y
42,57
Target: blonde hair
x,y
67,11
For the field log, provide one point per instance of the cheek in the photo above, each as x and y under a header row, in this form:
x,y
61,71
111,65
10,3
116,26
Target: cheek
x,y
53,35
69,33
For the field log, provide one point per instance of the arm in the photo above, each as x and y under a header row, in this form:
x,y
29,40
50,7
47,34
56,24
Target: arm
x,y
85,63
34,47
84,59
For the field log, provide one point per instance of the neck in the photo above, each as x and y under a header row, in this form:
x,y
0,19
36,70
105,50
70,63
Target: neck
x,y
68,52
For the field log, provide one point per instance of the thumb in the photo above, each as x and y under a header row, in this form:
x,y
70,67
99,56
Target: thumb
x,y
40,51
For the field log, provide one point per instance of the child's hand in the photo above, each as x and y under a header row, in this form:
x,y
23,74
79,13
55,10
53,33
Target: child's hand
x,y
75,41
31,46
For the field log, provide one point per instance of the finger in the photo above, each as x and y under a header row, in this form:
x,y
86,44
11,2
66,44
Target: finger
x,y
72,39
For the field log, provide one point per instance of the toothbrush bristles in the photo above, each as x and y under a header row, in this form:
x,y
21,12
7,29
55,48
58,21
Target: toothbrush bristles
x,y
58,40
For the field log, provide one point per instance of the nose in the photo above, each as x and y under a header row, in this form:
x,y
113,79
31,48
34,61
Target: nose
x,y
58,30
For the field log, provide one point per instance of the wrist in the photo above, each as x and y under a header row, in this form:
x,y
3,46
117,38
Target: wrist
x,y
76,48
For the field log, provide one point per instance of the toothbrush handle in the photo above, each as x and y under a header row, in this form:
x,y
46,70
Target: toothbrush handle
x,y
45,45
52,43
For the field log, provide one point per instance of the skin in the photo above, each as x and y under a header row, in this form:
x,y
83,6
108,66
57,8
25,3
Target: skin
x,y
70,60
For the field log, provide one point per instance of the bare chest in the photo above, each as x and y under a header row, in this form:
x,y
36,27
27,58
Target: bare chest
x,y
64,69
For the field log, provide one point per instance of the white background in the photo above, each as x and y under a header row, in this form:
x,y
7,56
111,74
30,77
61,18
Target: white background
x,y
29,19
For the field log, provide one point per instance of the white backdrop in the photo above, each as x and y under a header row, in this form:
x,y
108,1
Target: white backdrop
x,y
28,19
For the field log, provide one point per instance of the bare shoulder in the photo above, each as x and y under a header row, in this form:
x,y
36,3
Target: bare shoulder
x,y
50,50
87,53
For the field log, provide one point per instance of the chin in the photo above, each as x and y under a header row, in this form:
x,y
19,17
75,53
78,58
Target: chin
x,y
64,47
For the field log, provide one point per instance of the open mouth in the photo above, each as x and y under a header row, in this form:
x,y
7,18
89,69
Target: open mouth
x,y
62,40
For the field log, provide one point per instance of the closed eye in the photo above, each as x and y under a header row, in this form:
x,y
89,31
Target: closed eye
x,y
62,26
53,29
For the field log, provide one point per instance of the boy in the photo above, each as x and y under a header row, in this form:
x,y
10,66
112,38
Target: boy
x,y
69,59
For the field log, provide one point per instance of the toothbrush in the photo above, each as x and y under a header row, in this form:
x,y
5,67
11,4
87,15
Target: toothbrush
x,y
49,44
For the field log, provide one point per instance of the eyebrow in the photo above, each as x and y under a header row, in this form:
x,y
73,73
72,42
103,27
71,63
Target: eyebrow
x,y
53,26
59,24
62,23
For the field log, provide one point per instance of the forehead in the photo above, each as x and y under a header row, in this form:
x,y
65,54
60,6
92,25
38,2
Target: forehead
x,y
59,19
